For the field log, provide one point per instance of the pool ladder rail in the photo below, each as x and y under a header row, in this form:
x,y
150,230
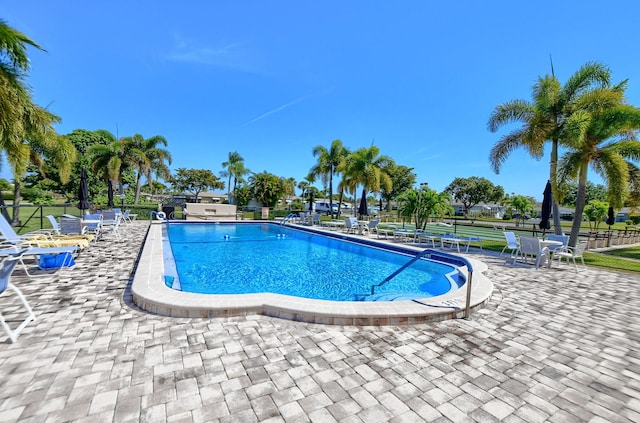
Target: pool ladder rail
x,y
288,218
439,256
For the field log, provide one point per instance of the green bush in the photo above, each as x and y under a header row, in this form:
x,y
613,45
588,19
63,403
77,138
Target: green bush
x,y
629,222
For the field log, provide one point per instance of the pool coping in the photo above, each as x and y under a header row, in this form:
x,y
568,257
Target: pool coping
x,y
151,294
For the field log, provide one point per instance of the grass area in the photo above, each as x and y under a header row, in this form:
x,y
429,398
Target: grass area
x,y
608,261
627,252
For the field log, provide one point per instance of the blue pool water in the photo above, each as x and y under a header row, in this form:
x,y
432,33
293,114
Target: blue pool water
x,y
254,258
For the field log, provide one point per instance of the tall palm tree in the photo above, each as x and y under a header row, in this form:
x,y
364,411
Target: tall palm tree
x,y
365,167
553,116
26,130
110,160
234,169
607,143
290,188
329,160
145,154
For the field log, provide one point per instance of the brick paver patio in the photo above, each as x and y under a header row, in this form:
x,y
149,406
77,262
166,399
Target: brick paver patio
x,y
553,345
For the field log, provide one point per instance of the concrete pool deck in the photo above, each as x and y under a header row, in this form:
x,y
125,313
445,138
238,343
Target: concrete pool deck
x,y
551,345
151,293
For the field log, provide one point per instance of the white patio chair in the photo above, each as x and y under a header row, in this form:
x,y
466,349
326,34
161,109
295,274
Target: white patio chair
x,y
512,243
351,225
571,253
110,223
128,218
530,247
562,238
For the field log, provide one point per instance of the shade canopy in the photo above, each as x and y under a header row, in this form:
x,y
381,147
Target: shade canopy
x,y
83,190
547,198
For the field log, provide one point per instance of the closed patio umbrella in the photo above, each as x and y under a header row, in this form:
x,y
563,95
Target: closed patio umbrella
x,y
110,195
362,210
83,191
611,217
547,198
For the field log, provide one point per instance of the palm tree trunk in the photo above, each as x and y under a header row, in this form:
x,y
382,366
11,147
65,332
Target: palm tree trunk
x,y
16,202
331,194
3,208
553,169
138,186
580,203
340,202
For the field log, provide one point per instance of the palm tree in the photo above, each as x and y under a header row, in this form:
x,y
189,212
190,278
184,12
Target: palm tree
x,y
14,63
146,157
607,143
26,130
109,161
552,116
290,188
235,169
329,162
365,167
41,139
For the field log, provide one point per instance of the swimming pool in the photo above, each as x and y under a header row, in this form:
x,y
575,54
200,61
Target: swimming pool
x,y
229,258
149,292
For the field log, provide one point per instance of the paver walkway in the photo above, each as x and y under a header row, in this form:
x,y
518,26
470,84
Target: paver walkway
x,y
552,345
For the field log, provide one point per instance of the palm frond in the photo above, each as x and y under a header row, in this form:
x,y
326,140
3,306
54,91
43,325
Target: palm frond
x,y
512,111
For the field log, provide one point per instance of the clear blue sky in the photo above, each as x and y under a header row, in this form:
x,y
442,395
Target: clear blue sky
x,y
272,79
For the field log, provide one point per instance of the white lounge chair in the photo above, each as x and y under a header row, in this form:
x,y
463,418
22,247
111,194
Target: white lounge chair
x,y
6,269
426,237
11,237
65,258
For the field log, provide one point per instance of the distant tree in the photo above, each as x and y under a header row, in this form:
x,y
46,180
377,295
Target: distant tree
x,y
402,179
422,204
235,169
110,161
593,192
290,187
267,188
522,206
474,190
366,168
195,181
242,195
5,185
596,211
329,161
147,156
48,177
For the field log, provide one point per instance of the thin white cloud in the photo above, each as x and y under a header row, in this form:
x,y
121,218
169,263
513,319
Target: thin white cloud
x,y
232,55
432,157
276,110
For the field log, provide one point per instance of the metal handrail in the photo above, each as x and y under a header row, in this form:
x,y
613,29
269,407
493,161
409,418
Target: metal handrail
x,y
438,256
